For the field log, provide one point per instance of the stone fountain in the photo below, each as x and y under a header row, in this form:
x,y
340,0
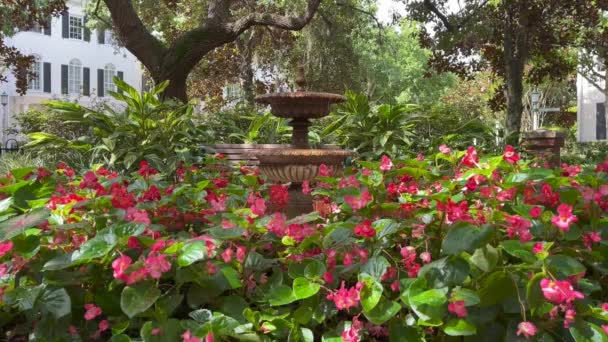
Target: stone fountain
x,y
298,162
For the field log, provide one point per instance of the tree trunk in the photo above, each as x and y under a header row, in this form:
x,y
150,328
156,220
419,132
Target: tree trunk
x,y
515,56
177,89
246,47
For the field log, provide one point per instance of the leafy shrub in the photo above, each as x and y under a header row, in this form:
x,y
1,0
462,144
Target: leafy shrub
x,y
144,128
412,250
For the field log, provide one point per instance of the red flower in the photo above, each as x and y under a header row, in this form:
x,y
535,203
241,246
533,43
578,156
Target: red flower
x,y
227,255
538,247
535,212
121,198
279,196
445,149
386,164
365,229
358,202
152,194
91,312
120,266
352,334
324,171
559,291
510,156
156,265
344,298
5,247
187,337
527,329
145,169
259,207
564,218
590,238
518,226
470,158
458,308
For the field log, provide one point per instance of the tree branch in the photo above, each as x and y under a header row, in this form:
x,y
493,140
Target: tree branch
x,y
134,35
595,84
446,22
276,20
96,15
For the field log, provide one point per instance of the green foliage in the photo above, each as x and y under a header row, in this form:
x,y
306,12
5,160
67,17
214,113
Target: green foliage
x,y
142,128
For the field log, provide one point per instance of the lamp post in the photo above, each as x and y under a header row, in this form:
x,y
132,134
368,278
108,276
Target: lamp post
x,y
4,102
535,101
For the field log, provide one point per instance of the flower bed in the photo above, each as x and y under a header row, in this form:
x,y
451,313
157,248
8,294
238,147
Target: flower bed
x,y
447,245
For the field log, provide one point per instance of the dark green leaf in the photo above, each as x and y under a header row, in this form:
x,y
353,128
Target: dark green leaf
x,y
459,327
138,298
382,312
465,237
563,266
17,225
304,288
191,253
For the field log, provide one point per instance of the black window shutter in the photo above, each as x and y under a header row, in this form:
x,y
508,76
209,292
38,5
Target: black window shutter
x,y
65,25
87,32
100,83
47,28
101,36
600,121
86,81
121,76
46,76
64,79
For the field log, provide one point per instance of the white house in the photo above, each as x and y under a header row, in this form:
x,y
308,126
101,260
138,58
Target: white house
x,y
72,62
591,111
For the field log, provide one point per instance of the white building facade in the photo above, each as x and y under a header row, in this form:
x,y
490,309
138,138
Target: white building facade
x,y
72,63
591,110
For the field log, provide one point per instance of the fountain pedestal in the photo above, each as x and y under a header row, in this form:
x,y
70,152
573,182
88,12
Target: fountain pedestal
x,y
297,163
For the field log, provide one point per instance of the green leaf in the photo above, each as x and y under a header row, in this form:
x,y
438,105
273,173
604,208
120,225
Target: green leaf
x,y
399,332
427,304
587,332
304,288
138,298
127,229
485,258
281,295
170,331
448,271
459,327
96,247
314,269
192,253
495,288
121,338
469,297
385,227
27,246
232,277
434,297
465,237
57,302
371,292
519,250
563,266
17,225
382,312
226,234
376,267
534,292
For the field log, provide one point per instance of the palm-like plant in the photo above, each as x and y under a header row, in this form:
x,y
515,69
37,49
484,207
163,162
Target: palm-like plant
x,y
372,131
143,128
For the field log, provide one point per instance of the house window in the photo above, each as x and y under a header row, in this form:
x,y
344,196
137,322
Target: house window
x,y
108,78
74,76
34,82
76,27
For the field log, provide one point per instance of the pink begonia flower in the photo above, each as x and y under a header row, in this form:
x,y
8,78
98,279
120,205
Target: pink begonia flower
x,y
227,224
425,257
365,229
137,216
590,238
510,156
518,226
241,253
357,203
352,334
227,255
324,171
470,158
91,312
445,149
155,332
72,330
5,247
569,318
156,265
3,270
344,298
605,328
535,212
259,207
420,157
386,164
120,265
538,247
564,218
458,308
605,306
187,337
328,277
104,325
527,329
211,268
559,291
306,187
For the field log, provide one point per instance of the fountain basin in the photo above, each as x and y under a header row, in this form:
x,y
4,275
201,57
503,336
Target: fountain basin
x,y
295,165
300,104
